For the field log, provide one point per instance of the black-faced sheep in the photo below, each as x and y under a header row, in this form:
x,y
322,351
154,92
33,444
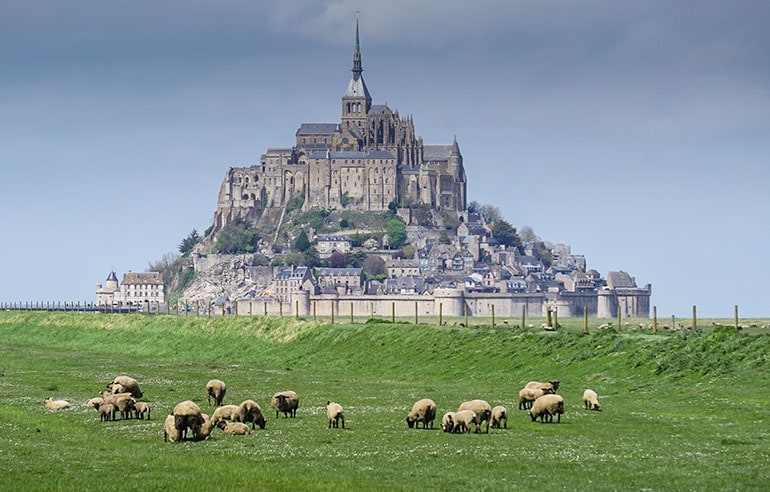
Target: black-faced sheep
x,y
528,395
233,428
106,412
226,412
94,403
141,409
335,414
463,420
591,400
52,404
286,402
128,384
187,415
546,407
170,432
481,408
547,387
250,411
499,417
124,403
206,427
448,422
215,389
422,411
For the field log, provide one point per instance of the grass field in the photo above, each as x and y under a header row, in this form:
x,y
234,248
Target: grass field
x,y
681,411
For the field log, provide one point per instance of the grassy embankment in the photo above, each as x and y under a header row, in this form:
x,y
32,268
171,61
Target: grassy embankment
x,y
681,411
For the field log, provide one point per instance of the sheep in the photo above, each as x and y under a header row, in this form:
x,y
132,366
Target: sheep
x,y
335,413
463,420
604,326
529,395
94,403
551,385
52,404
546,407
187,415
448,422
206,427
499,416
106,412
591,400
422,411
215,389
141,409
233,428
249,411
286,402
124,403
170,432
226,412
482,409
129,384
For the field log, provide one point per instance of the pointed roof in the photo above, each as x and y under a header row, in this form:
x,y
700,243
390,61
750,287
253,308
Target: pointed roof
x,y
356,87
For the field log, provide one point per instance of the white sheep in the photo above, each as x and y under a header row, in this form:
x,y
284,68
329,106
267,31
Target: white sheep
x,y
141,409
335,413
95,402
528,395
231,413
422,411
187,415
591,400
233,428
481,408
206,427
286,402
52,404
463,420
129,385
499,416
546,407
124,403
549,387
448,422
215,389
170,432
250,411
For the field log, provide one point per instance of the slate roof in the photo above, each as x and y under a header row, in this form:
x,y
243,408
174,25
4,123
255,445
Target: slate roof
x,y
318,128
352,154
430,152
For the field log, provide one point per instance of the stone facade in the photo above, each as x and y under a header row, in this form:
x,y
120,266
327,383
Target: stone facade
x,y
369,159
138,289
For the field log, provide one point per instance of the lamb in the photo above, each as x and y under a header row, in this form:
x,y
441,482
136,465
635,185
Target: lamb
x,y
226,412
549,387
187,415
94,403
463,420
335,413
141,409
206,427
215,389
124,403
249,411
448,422
52,404
286,402
129,384
529,395
422,411
233,428
481,408
499,415
591,400
546,407
170,432
106,412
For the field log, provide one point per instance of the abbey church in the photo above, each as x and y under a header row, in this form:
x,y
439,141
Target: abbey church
x,y
366,161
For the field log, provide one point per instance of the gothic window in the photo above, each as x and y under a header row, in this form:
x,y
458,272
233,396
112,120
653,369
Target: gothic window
x,y
245,196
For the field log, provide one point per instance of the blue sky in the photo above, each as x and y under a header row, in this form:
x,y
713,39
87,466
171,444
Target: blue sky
x,y
636,132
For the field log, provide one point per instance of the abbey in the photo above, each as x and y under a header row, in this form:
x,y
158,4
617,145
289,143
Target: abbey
x,y
366,161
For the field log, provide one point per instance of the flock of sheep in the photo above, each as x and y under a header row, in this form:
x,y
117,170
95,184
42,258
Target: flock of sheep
x,y
539,398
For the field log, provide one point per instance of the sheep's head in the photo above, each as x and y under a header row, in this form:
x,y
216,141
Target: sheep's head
x,y
410,422
261,422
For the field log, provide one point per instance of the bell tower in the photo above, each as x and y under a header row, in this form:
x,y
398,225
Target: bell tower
x,y
356,101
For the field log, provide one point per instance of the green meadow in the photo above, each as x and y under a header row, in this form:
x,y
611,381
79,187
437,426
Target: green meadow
x,y
680,410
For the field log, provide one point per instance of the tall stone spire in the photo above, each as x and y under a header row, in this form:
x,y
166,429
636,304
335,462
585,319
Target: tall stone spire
x,y
357,55
356,101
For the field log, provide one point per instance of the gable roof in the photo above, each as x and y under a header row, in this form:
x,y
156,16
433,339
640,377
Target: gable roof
x,y
318,128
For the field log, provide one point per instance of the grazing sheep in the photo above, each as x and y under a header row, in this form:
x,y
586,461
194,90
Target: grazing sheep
x,y
286,402
546,407
129,384
335,413
206,427
249,411
549,387
215,389
499,416
422,411
141,409
481,408
106,412
528,395
233,428
463,420
94,403
226,412
187,415
52,404
448,422
591,400
604,326
170,432
124,403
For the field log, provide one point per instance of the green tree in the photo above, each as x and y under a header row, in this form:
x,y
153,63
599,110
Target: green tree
x,y
541,250
396,230
236,237
301,242
505,234
444,239
189,242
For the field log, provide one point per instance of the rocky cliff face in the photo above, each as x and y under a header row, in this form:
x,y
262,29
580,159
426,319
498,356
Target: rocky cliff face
x,y
226,277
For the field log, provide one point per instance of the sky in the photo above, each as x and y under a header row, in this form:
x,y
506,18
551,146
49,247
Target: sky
x,y
636,132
